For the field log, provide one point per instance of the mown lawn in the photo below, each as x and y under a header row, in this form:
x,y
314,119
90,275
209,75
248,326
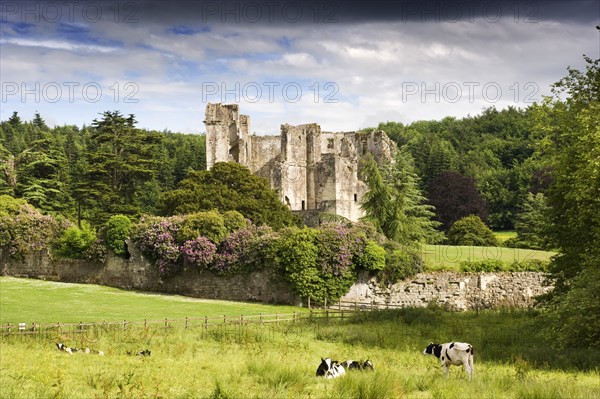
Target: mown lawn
x,y
448,257
27,300
505,235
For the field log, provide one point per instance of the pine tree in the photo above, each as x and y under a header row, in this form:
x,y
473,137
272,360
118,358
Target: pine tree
x,y
395,203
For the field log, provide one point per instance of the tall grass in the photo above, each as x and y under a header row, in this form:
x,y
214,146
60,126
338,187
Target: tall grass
x,y
279,361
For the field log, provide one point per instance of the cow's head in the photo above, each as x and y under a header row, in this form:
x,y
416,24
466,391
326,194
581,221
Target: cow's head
x,y
368,365
433,349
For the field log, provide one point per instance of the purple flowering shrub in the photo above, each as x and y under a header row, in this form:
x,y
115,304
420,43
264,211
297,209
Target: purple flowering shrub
x,y
156,238
23,228
198,253
244,250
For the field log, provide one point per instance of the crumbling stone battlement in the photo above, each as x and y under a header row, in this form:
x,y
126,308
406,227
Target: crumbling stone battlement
x,y
312,170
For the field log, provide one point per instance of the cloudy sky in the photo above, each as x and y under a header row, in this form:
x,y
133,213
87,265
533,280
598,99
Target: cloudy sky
x,y
343,64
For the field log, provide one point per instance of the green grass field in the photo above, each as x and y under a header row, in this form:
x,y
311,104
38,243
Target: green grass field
x,y
24,300
505,235
279,360
448,257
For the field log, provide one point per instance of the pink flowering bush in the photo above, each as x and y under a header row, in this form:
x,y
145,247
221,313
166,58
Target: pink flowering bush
x,y
198,253
23,228
156,238
244,250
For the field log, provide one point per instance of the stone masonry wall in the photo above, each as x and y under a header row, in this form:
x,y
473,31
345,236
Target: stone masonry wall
x,y
458,291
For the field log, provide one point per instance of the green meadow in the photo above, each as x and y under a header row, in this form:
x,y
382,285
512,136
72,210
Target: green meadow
x,y
24,300
280,360
448,257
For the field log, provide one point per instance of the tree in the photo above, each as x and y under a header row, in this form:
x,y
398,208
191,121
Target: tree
x,y
41,176
455,196
395,203
532,223
121,160
229,186
471,230
569,138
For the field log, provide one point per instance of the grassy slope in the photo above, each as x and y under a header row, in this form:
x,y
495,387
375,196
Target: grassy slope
x,y
24,300
449,257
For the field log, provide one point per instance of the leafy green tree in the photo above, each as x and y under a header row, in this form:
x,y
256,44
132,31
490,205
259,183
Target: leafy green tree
x,y
455,196
7,171
118,229
395,203
569,134
471,230
75,241
229,186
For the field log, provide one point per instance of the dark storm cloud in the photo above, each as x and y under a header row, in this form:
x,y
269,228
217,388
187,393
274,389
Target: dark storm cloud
x,y
265,12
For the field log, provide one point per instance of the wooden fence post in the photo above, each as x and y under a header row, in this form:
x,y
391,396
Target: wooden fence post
x,y
166,324
186,322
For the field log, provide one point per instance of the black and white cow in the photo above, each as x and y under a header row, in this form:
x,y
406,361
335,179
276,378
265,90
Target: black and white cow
x,y
358,365
330,369
453,353
63,348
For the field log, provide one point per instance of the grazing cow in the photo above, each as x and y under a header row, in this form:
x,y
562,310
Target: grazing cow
x,y
453,353
145,352
63,348
358,365
330,369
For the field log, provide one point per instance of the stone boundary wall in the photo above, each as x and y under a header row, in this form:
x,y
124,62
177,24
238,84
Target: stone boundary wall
x,y
458,291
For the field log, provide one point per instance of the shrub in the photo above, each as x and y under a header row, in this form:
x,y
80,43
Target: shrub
x,y
23,228
487,265
400,264
118,228
75,241
296,256
198,253
209,224
471,230
245,250
372,257
529,265
233,221
156,238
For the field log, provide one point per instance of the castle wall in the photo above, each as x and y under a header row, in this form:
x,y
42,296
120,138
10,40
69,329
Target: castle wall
x,y
311,170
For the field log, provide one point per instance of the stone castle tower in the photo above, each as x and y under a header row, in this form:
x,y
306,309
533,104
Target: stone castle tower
x,y
313,171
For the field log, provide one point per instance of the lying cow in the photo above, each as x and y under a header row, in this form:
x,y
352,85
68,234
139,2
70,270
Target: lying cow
x,y
330,369
63,348
358,365
453,353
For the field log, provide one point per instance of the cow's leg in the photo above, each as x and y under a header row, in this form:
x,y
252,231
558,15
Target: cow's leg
x,y
445,367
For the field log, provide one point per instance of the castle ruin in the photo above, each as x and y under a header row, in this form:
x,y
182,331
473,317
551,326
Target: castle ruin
x,y
313,171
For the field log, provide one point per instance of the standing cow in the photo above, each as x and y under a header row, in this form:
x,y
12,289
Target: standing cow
x,y
453,353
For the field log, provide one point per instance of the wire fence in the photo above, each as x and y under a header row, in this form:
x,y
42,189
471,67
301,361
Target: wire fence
x,y
338,310
168,324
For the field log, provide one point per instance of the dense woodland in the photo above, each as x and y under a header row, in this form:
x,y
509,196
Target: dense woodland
x,y
534,170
